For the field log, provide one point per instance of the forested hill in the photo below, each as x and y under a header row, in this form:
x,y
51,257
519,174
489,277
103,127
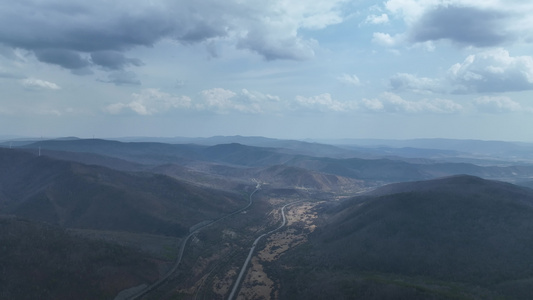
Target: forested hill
x,y
81,196
421,239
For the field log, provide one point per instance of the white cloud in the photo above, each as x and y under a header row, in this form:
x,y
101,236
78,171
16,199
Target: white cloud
x,y
217,98
385,103
258,97
410,10
374,19
349,79
149,102
256,102
385,39
395,103
497,104
324,102
224,101
34,83
405,81
374,105
392,103
492,71
272,28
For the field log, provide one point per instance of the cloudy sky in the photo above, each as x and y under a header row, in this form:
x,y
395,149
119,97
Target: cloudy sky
x,y
285,69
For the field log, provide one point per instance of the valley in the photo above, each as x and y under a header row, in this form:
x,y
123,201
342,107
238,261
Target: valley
x,y
254,150
273,219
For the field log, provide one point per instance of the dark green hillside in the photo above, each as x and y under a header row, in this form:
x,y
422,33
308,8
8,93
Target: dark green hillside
x,y
443,239
39,261
80,196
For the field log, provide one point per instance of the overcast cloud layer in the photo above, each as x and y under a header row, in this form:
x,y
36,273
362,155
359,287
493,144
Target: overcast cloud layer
x,y
288,69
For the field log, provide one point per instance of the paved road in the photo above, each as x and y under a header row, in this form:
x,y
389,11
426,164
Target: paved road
x,y
245,265
184,244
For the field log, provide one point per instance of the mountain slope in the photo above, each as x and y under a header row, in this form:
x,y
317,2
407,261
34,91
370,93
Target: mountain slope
x,y
460,231
39,261
80,196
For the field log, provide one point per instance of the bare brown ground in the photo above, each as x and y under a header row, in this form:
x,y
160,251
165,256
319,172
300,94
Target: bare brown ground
x,y
222,285
257,284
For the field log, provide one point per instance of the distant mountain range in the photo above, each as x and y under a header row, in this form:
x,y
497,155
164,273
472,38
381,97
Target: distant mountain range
x,y
452,150
375,148
371,170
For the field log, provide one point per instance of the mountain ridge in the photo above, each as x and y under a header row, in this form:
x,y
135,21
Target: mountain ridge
x,y
82,196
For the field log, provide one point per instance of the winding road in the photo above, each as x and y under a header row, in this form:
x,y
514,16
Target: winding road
x,y
245,265
184,244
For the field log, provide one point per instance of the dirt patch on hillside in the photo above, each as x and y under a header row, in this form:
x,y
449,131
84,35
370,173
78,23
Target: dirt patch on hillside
x,y
303,213
257,284
222,286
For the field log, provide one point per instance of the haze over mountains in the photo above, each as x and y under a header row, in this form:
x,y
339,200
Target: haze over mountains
x,y
424,224
391,165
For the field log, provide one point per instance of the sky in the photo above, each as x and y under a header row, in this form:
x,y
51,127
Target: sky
x,y
396,69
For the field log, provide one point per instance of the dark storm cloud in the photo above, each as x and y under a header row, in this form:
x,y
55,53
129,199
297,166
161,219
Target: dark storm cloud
x,y
199,30
85,28
122,78
289,49
67,59
113,60
467,26
103,30
61,33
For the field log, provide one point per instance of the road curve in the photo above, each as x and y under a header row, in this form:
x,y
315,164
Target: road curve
x,y
245,265
184,243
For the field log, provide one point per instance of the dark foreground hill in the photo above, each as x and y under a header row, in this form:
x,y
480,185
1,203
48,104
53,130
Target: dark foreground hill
x,y
454,238
39,261
74,195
